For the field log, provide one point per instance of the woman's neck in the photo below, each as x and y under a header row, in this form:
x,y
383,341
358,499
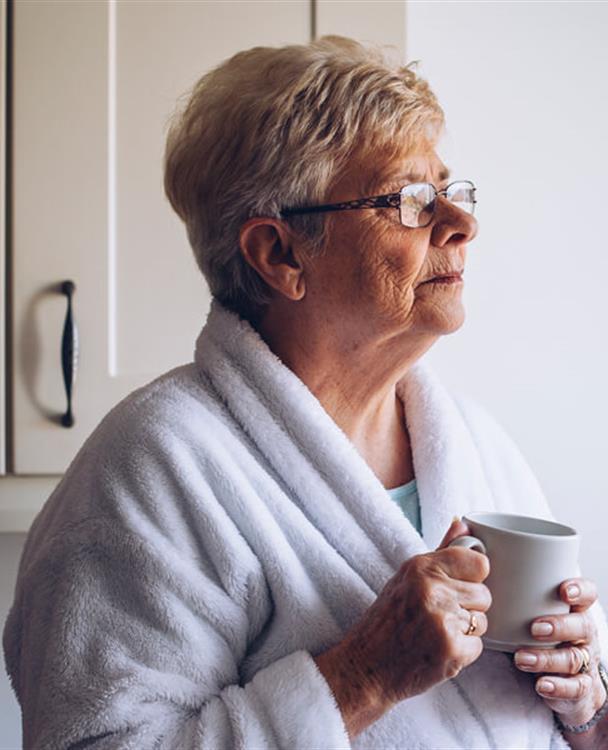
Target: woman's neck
x,y
355,380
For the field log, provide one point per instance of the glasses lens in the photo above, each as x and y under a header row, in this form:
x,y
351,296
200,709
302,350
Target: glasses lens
x,y
417,204
462,195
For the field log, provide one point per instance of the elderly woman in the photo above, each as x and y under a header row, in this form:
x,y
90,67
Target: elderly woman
x,y
252,551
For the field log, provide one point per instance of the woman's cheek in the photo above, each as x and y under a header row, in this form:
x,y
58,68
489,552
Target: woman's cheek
x,y
386,280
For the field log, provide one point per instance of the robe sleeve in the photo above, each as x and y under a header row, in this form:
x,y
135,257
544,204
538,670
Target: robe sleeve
x,y
120,641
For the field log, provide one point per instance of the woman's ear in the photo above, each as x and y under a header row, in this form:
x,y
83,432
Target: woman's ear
x,y
268,247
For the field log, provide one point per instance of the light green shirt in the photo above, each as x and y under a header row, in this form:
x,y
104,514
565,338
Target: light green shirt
x,y
406,497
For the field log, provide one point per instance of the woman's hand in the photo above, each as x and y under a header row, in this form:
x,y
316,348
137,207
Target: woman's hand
x,y
414,636
574,695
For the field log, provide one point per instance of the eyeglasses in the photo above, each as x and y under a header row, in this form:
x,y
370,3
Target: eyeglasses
x,y
416,202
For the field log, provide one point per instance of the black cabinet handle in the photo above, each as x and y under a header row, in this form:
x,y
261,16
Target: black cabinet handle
x,y
69,352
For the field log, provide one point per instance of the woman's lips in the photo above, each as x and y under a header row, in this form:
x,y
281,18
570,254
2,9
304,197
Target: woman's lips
x,y
452,278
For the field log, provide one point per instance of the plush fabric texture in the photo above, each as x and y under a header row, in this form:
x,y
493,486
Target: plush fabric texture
x,y
214,533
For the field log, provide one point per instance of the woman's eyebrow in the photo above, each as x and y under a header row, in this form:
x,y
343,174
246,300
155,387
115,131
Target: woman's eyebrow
x,y
404,178
444,174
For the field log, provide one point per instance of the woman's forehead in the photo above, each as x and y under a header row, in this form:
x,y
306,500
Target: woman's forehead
x,y
375,171
401,169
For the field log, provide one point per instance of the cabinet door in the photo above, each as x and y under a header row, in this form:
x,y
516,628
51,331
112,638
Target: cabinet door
x,y
93,86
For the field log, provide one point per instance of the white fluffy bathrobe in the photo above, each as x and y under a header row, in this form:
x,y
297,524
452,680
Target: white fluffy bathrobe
x,y
215,531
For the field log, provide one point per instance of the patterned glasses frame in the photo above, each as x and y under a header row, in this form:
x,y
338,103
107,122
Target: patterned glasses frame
x,y
397,200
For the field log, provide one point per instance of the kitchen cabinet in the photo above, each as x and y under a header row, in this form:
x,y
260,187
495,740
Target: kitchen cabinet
x,y
93,84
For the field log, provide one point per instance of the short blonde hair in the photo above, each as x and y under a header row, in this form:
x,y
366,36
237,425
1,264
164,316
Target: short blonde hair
x,y
272,128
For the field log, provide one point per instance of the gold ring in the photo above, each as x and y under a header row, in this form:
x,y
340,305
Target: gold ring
x,y
586,665
472,625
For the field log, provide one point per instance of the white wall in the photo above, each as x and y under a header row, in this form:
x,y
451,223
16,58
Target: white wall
x,y
10,717
524,90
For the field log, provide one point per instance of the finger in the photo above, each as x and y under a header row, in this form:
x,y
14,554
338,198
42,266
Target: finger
x,y
579,593
473,621
567,661
573,627
463,564
457,528
475,596
565,688
466,650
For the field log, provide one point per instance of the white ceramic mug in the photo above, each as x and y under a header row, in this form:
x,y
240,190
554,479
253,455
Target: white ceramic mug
x,y
529,559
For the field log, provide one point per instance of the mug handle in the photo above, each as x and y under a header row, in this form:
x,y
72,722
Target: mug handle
x,y
470,542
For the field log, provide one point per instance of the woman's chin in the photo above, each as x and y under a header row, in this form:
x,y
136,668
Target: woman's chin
x,y
454,326
443,321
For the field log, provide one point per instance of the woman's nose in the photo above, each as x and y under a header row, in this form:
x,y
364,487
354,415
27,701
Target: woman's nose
x,y
452,224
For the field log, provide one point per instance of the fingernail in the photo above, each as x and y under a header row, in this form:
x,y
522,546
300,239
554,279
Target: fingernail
x,y
542,628
525,659
544,686
573,591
